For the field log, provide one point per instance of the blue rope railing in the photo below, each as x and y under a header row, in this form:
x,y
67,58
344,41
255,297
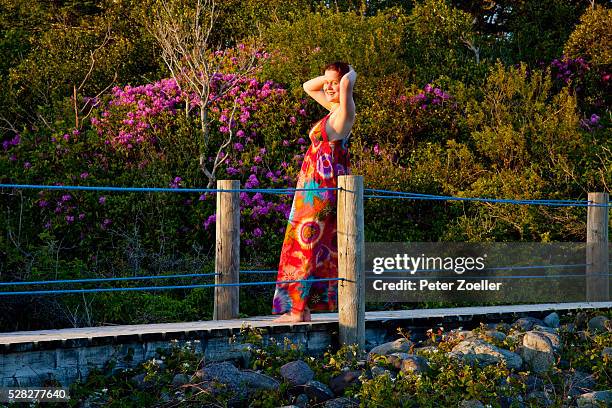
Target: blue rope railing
x,y
165,189
381,194
212,285
129,278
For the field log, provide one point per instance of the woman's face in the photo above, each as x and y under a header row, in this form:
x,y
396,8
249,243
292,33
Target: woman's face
x,y
331,86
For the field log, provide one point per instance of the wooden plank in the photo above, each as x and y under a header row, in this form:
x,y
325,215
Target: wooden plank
x,y
266,321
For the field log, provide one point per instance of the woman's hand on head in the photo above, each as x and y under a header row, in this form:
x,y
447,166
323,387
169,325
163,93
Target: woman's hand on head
x,y
349,76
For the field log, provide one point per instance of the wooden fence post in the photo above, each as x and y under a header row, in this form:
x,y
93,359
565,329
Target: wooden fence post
x,y
597,270
351,261
227,256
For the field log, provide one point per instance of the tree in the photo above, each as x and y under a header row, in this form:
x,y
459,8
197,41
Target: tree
x,y
184,35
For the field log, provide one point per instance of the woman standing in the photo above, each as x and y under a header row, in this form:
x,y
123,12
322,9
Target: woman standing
x,y
310,248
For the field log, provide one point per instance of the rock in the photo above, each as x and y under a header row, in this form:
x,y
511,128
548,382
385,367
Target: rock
x,y
494,334
485,354
296,372
474,403
341,382
526,323
180,379
554,338
395,359
408,363
341,403
595,399
597,324
141,384
316,391
400,345
378,371
414,364
552,320
259,381
302,400
537,352
606,353
240,383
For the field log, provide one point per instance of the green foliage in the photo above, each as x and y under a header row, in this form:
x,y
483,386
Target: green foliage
x,y
73,46
583,351
303,47
590,38
536,30
438,42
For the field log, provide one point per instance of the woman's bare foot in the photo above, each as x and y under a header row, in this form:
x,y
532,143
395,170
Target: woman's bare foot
x,y
294,317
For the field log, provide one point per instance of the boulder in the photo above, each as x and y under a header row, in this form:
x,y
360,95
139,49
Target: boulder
x,y
526,323
595,399
537,352
378,371
414,364
554,338
225,377
296,372
552,320
494,334
400,345
484,353
342,381
598,324
316,391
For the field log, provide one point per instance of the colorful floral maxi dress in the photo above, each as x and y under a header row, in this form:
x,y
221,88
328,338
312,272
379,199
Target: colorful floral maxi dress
x,y
310,248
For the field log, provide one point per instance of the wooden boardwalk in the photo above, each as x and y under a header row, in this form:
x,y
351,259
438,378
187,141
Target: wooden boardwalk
x,y
461,313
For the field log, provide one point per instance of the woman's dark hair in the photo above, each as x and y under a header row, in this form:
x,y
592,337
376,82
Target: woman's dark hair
x,y
339,66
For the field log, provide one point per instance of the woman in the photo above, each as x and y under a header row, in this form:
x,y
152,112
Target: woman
x,y
310,248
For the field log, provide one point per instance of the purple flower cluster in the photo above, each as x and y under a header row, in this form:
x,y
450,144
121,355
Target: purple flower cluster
x,y
132,112
429,96
12,142
568,69
592,123
176,182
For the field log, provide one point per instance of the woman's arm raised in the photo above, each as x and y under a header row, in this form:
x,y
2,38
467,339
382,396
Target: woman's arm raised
x,y
314,88
345,117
